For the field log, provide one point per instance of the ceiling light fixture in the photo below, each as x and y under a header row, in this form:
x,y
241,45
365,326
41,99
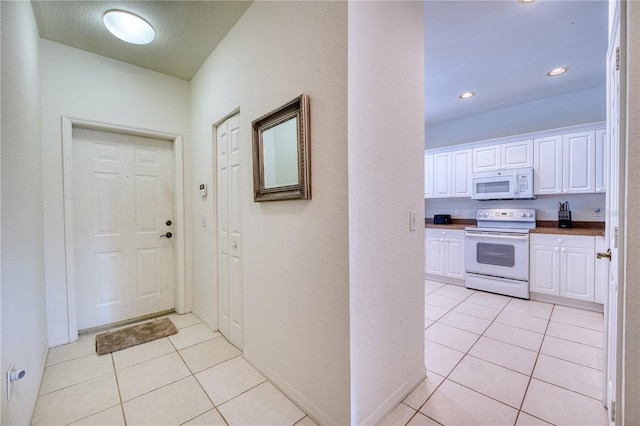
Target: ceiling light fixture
x,y
128,27
525,1
557,71
467,95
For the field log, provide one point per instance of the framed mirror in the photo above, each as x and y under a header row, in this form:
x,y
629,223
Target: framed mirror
x,y
281,160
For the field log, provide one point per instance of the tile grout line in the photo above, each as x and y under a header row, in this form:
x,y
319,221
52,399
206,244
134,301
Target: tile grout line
x,y
198,382
115,374
526,390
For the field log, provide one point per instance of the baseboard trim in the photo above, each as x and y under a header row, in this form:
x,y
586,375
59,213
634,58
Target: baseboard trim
x,y
316,414
395,398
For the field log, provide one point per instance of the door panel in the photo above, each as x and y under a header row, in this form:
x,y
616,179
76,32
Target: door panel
x,y
230,297
616,172
122,196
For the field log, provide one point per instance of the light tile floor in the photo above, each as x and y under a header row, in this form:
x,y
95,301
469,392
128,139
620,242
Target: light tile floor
x,y
496,360
194,377
490,359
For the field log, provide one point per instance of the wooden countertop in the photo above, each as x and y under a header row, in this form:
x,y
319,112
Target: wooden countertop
x,y
588,229
542,227
456,224
452,226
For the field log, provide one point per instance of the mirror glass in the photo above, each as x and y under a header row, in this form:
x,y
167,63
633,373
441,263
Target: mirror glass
x,y
280,150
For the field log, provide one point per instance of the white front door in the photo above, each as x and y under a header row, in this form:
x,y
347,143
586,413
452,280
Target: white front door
x,y
123,204
230,306
614,206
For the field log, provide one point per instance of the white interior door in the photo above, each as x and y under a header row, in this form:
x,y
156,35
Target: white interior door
x,y
614,206
230,306
123,198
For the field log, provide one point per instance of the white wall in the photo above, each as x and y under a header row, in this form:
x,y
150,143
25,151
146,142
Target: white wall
x,y
83,85
24,338
295,253
386,175
586,106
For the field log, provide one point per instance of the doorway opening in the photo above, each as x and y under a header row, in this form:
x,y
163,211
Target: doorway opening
x,y
112,202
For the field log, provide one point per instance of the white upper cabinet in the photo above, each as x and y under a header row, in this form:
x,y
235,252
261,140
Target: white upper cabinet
x,y
442,175
569,162
486,158
512,155
428,176
461,176
517,155
450,174
547,165
565,164
579,162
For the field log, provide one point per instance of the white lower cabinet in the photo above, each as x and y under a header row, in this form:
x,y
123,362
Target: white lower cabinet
x,y
444,253
563,265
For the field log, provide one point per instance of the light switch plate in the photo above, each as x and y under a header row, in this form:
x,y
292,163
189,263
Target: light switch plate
x,y
412,220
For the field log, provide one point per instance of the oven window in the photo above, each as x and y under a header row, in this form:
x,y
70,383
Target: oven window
x,y
496,254
492,187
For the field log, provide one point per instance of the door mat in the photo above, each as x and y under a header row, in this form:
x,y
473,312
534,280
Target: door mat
x,y
112,341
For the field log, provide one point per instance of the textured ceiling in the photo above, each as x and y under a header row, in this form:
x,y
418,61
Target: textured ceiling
x,y
186,31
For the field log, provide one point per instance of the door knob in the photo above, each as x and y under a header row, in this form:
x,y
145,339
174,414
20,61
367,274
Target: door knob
x,y
606,255
168,223
168,235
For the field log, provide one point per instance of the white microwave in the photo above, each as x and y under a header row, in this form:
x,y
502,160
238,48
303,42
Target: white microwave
x,y
514,184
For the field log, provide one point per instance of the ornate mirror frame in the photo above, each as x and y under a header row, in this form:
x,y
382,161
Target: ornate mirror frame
x,y
276,129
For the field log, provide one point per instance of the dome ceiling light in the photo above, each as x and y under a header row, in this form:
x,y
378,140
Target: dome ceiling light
x,y
557,71
467,95
128,27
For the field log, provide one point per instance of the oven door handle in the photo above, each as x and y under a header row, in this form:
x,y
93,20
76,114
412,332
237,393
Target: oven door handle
x,y
496,236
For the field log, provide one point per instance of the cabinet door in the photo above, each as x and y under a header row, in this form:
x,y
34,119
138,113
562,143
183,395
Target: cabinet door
x,y
442,175
547,165
576,280
454,258
517,155
461,173
544,269
579,163
601,160
428,176
434,256
486,158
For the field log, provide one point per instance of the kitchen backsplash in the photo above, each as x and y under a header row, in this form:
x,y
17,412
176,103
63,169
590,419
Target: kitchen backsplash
x,y
583,206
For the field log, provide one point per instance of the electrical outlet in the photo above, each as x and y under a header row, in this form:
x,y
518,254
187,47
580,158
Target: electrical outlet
x,y
597,212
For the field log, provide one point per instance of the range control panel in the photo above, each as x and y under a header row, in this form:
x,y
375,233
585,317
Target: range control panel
x,y
506,215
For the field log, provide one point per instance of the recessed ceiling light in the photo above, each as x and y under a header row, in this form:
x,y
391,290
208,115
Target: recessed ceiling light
x,y
525,1
128,27
467,95
557,71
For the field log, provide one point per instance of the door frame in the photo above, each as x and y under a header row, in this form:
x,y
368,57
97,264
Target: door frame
x,y
182,302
